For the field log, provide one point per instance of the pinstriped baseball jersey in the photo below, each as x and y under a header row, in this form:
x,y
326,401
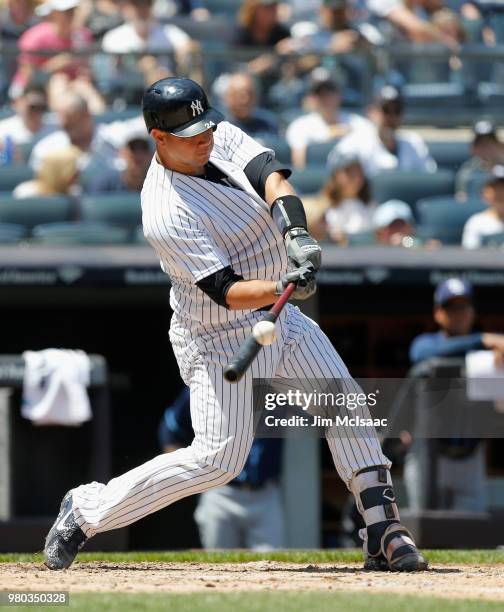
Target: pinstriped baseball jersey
x,y
198,227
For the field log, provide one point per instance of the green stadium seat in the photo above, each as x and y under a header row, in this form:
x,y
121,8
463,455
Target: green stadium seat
x,y
34,211
444,218
309,180
11,176
449,155
316,154
80,233
411,186
11,233
494,240
122,209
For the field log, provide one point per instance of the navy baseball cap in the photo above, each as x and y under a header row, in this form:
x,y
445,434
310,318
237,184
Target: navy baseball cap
x,y
452,288
388,93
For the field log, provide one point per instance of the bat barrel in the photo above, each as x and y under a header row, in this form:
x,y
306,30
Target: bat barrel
x,y
237,367
247,352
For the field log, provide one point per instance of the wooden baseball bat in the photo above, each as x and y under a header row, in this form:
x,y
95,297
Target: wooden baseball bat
x,y
248,351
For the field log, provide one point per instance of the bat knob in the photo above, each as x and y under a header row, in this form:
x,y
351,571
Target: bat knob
x,y
231,374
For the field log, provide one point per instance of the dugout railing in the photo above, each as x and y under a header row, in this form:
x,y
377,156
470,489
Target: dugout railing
x,y
434,405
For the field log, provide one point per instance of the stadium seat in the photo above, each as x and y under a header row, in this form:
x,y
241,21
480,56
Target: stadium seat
x,y
494,240
444,218
411,186
11,233
280,146
34,211
434,96
223,7
449,155
475,184
111,115
80,233
138,236
122,209
361,239
491,96
11,176
316,154
310,180
26,150
6,112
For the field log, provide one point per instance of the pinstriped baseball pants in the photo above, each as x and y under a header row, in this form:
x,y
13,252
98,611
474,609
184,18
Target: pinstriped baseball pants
x,y
222,419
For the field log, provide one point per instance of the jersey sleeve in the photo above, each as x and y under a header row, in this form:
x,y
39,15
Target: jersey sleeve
x,y
238,147
186,249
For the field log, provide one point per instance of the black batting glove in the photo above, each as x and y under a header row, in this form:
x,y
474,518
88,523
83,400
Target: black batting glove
x,y
304,277
302,249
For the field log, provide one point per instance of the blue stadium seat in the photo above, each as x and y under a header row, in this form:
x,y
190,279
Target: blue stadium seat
x,y
316,154
111,115
475,184
26,150
6,112
34,211
411,186
361,239
122,209
444,218
449,155
11,176
435,96
223,7
138,236
10,233
80,233
280,146
494,240
491,96
310,180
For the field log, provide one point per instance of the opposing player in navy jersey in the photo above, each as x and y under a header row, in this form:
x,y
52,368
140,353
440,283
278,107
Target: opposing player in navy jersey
x,y
231,232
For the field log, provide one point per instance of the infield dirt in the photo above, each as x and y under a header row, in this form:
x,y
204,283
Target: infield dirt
x,y
450,581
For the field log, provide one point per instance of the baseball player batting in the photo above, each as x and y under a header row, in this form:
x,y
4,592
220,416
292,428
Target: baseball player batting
x,y
232,234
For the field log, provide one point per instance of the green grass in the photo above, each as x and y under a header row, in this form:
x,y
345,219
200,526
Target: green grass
x,y
291,601
238,556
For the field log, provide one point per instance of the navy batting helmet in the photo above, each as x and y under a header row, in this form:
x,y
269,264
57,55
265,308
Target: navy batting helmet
x,y
178,106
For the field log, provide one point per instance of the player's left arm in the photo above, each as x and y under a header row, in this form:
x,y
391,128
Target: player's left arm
x,y
288,212
270,180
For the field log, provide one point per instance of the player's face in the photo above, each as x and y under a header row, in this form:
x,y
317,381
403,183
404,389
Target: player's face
x,y
456,316
186,155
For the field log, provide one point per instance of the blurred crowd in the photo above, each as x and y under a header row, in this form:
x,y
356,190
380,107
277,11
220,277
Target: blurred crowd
x,y
303,78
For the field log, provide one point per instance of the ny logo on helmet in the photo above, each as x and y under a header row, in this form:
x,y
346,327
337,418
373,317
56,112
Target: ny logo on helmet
x,y
196,108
